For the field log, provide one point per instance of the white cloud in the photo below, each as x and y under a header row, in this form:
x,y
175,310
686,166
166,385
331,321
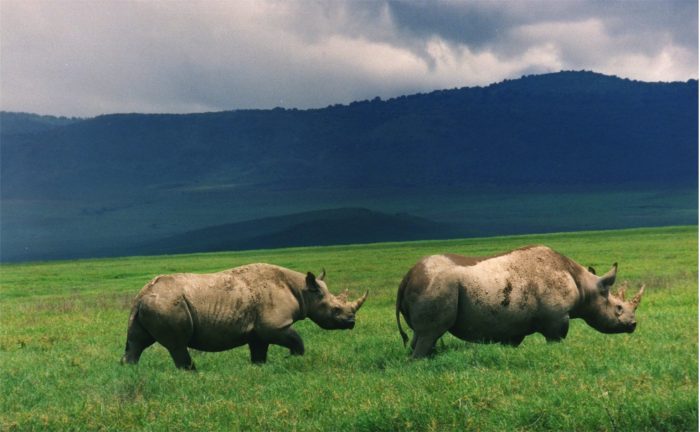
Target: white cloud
x,y
85,58
672,63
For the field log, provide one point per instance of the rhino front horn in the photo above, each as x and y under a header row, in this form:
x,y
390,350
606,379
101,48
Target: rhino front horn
x,y
637,297
358,303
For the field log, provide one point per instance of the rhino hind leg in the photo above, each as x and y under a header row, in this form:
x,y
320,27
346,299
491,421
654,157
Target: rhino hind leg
x,y
430,315
425,344
429,326
137,340
169,322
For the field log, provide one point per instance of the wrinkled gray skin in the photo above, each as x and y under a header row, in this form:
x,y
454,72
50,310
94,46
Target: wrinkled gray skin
x,y
254,304
507,297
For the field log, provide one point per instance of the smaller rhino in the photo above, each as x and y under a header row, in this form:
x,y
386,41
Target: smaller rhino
x,y
254,304
506,297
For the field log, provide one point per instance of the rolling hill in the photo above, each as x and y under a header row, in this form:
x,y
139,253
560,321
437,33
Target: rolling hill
x,y
70,187
315,228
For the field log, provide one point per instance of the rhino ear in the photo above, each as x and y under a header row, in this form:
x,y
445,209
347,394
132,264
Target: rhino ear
x,y
591,270
322,276
311,282
607,280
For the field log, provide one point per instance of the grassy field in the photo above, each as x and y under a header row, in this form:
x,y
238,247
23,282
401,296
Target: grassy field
x,y
63,325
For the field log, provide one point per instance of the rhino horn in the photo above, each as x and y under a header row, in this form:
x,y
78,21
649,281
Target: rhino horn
x,y
343,295
358,303
621,291
637,297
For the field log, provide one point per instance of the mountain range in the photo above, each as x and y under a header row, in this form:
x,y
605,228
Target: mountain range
x,y
570,130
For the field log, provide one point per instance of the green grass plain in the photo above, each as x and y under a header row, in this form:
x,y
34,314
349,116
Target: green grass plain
x,y
63,325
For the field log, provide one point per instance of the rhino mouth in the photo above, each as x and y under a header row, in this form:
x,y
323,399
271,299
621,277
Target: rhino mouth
x,y
630,327
348,325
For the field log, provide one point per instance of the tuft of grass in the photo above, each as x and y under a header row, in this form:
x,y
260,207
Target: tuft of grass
x,y
63,325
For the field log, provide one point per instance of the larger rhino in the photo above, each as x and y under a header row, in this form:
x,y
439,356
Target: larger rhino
x,y
506,297
253,304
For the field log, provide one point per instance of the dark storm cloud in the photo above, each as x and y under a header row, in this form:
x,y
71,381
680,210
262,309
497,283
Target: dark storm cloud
x,y
472,24
85,58
508,28
488,23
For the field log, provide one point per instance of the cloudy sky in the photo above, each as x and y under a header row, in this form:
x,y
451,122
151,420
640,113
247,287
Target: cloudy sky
x,y
84,58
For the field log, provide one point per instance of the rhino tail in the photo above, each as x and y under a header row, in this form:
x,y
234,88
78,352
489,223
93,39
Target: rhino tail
x,y
399,299
132,320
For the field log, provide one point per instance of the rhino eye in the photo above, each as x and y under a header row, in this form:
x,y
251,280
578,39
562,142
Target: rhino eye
x,y
336,310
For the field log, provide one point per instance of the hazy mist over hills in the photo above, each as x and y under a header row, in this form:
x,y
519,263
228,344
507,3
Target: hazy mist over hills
x,y
575,130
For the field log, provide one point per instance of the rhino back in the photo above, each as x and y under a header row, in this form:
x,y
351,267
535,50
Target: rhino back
x,y
227,306
501,296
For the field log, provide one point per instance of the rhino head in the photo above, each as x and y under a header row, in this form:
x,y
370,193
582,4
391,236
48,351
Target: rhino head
x,y
329,311
608,312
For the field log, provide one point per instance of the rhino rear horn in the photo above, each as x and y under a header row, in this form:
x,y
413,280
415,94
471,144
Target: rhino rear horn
x,y
637,297
621,291
343,295
358,303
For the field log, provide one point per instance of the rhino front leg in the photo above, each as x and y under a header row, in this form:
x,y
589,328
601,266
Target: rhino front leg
x,y
258,350
182,358
288,338
556,330
514,341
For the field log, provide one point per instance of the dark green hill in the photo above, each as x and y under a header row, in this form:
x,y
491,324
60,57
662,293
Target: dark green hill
x,y
563,128
12,123
567,150
315,228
